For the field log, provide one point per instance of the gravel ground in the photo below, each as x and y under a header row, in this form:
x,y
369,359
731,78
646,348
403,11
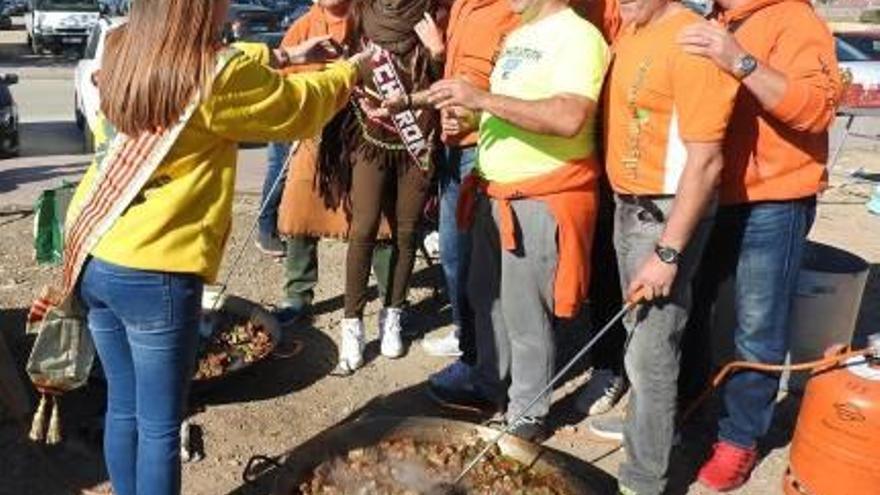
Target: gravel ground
x,y
281,403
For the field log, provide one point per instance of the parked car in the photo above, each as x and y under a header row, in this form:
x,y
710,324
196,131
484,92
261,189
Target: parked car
x,y
5,15
87,101
107,7
17,7
123,7
60,25
9,138
293,11
254,3
287,12
114,7
858,55
276,5
249,22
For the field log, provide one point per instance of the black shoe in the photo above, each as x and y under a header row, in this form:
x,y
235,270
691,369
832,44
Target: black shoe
x,y
271,245
530,429
290,314
469,399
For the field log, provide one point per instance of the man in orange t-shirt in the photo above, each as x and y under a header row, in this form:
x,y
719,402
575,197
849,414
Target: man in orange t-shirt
x,y
666,114
775,153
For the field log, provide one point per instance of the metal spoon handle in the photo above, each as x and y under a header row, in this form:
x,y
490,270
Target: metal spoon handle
x,y
510,424
233,267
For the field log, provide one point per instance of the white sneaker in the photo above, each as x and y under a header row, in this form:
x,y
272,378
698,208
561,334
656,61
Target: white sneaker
x,y
432,244
389,332
608,428
602,393
446,346
351,350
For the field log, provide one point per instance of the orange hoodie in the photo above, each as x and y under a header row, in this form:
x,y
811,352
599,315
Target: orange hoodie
x,y
780,154
571,193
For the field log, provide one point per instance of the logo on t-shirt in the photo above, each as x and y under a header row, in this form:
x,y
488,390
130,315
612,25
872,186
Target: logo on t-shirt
x,y
514,57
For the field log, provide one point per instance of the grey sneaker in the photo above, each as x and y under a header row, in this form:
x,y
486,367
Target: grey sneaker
x,y
530,429
602,393
271,245
609,428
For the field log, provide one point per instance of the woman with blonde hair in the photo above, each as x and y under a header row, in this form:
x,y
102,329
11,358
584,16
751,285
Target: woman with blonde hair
x,y
150,220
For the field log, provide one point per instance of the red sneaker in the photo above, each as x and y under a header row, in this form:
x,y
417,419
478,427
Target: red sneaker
x,y
728,468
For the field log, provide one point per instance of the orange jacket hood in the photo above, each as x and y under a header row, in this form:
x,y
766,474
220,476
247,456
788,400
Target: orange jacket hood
x,y
745,10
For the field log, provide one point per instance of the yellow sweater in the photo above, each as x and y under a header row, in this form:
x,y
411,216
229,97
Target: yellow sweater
x,y
181,220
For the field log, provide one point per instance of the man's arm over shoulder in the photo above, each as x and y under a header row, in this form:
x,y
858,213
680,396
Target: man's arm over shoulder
x,y
799,83
703,96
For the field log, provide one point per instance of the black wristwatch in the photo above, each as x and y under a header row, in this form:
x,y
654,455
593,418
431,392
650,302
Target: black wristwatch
x,y
744,66
668,255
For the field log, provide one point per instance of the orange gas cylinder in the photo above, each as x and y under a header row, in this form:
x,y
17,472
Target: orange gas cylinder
x,y
836,446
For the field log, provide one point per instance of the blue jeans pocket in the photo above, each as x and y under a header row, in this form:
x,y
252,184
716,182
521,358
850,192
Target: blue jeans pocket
x,y
141,299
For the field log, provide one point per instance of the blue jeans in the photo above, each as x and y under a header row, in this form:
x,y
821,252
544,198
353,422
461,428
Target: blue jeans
x,y
455,246
761,244
145,328
276,156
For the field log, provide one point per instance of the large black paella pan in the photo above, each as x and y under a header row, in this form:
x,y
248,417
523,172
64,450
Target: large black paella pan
x,y
298,467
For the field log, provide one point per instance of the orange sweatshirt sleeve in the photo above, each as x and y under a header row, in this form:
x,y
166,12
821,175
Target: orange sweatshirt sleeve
x,y
805,53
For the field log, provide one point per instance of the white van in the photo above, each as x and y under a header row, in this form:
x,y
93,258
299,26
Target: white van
x,y
87,102
60,25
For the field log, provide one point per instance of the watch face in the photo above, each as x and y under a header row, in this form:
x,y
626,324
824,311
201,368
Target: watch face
x,y
667,255
746,65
